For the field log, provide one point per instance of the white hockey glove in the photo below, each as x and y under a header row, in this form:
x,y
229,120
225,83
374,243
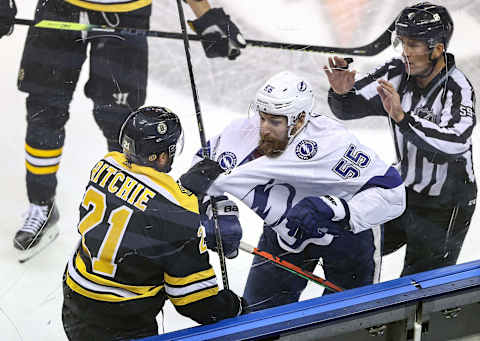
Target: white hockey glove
x,y
230,228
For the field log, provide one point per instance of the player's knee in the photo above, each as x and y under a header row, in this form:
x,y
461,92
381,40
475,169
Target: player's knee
x,y
49,112
109,118
128,97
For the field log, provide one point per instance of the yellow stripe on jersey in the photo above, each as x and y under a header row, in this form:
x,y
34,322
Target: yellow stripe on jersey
x,y
43,152
198,276
185,198
194,297
112,6
104,297
82,269
96,296
41,170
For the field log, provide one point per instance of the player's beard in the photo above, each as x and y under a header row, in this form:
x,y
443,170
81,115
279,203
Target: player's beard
x,y
271,147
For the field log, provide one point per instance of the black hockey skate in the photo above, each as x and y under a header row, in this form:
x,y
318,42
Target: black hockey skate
x,y
37,232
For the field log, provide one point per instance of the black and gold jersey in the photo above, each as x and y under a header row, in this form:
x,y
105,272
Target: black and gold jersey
x,y
141,241
111,5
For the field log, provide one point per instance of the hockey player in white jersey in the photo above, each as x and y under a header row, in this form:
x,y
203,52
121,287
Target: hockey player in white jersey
x,y
321,193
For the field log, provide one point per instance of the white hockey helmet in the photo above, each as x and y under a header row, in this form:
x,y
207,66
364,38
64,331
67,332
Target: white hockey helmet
x,y
285,94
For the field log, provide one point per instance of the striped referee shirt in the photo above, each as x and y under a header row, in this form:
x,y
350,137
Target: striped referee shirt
x,y
433,142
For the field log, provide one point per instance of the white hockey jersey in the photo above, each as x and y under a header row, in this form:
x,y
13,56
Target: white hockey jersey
x,y
324,158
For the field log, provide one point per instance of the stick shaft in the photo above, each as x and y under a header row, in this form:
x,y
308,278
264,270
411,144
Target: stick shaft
x,y
290,267
201,130
371,49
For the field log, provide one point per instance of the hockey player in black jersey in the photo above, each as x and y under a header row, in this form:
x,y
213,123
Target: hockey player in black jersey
x,y
431,106
8,10
141,242
49,71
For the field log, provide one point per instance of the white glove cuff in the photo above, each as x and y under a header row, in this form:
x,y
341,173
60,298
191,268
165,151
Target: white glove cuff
x,y
224,207
336,206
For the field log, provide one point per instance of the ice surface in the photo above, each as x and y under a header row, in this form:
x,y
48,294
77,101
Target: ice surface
x,y
31,296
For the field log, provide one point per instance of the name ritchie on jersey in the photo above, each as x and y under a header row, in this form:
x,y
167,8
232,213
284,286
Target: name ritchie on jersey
x,y
123,186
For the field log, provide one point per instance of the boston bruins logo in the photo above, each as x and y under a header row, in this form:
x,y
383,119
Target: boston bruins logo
x,y
162,128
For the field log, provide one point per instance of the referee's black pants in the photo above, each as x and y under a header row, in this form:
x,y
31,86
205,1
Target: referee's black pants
x,y
434,237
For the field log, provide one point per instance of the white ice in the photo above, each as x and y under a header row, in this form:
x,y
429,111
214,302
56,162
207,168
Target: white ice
x,y
31,295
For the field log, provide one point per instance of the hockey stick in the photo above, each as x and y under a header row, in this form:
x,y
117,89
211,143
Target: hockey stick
x,y
203,141
392,132
371,49
289,267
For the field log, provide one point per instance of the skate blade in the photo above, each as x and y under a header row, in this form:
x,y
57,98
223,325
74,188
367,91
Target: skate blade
x,y
46,240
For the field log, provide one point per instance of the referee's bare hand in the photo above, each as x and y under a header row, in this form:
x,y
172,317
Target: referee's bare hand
x,y
390,100
341,79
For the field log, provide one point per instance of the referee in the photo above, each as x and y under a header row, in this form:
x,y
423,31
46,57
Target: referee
x,y
430,104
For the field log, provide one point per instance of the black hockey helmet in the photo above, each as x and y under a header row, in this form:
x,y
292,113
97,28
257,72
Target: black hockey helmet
x,y
150,131
426,22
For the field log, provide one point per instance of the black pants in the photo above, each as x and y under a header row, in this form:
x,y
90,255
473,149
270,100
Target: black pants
x,y
80,330
82,323
49,71
434,237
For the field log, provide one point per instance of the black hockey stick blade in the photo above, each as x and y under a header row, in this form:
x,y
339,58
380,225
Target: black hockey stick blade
x,y
371,49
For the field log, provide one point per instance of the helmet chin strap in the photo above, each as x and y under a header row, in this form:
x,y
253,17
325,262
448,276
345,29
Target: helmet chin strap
x,y
292,126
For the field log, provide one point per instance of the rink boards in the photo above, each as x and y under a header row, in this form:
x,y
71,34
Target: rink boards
x,y
440,304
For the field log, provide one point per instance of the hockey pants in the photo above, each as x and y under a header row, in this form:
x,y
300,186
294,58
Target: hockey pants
x,y
50,68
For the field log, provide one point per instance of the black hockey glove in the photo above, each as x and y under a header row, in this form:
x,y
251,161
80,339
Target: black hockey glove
x,y
8,11
199,178
244,306
228,223
220,36
240,305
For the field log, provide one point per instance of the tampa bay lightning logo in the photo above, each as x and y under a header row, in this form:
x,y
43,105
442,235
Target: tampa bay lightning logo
x,y
227,160
302,86
306,149
272,211
268,88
